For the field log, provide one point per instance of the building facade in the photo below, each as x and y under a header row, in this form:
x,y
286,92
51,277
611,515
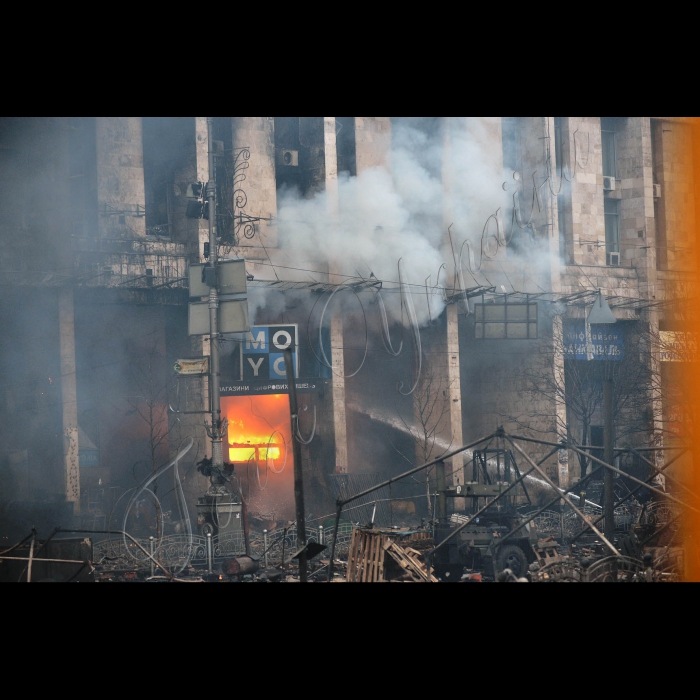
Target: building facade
x,y
437,273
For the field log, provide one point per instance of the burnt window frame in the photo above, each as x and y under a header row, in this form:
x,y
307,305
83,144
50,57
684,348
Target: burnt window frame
x,y
608,136
481,322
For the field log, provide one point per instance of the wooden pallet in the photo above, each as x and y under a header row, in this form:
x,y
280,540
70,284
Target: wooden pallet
x,y
370,548
409,559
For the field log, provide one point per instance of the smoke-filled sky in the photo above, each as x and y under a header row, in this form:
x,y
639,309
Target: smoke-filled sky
x,y
403,213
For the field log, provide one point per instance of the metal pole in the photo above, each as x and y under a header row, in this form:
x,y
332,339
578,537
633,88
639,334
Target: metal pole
x,y
217,456
663,494
298,474
631,494
335,537
209,554
543,474
31,559
549,504
267,560
475,515
609,447
441,497
415,470
151,541
668,477
123,534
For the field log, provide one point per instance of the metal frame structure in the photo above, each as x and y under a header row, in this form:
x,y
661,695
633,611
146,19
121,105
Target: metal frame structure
x,y
562,495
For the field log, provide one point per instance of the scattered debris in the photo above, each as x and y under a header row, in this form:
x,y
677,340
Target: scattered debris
x,y
387,555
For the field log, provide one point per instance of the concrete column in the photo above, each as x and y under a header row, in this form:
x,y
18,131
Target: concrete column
x,y
255,191
120,185
336,330
372,142
587,200
202,170
69,397
445,360
456,463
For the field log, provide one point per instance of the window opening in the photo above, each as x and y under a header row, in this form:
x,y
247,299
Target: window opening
x,y
506,321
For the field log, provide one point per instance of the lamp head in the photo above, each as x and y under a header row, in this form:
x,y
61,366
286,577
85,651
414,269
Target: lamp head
x,y
601,313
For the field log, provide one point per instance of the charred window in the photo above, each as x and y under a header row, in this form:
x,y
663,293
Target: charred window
x,y
300,155
510,134
506,321
345,139
167,146
82,173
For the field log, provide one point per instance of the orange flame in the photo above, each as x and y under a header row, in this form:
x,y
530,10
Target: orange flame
x,y
259,444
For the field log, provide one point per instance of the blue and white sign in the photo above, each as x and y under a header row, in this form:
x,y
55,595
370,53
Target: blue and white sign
x,y
594,342
262,352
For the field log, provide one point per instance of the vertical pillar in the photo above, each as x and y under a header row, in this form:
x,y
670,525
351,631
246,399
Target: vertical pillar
x,y
336,330
201,344
556,269
454,393
453,389
69,397
202,169
587,199
255,190
121,192
372,142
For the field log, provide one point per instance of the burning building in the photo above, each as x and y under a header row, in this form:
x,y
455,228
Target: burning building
x,y
434,275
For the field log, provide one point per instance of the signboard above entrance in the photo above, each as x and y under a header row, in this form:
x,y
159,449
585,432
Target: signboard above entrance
x,y
594,342
262,351
257,388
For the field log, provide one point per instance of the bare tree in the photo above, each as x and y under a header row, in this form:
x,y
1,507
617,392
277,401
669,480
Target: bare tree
x,y
431,408
151,406
554,377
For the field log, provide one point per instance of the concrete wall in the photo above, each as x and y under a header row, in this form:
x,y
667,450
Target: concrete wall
x,y
255,192
587,208
372,142
120,186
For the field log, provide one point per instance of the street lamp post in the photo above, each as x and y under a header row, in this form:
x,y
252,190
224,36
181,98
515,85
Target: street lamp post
x,y
217,429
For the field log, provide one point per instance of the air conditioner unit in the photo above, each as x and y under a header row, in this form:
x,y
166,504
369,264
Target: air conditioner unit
x,y
609,184
287,157
657,191
613,259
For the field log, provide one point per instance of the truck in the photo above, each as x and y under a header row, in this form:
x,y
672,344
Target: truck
x,y
482,545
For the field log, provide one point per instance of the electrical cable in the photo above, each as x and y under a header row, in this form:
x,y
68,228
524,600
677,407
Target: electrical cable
x,y
298,431
257,471
410,309
267,453
320,334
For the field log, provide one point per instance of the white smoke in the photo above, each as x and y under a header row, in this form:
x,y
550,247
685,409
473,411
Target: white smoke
x,y
384,215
